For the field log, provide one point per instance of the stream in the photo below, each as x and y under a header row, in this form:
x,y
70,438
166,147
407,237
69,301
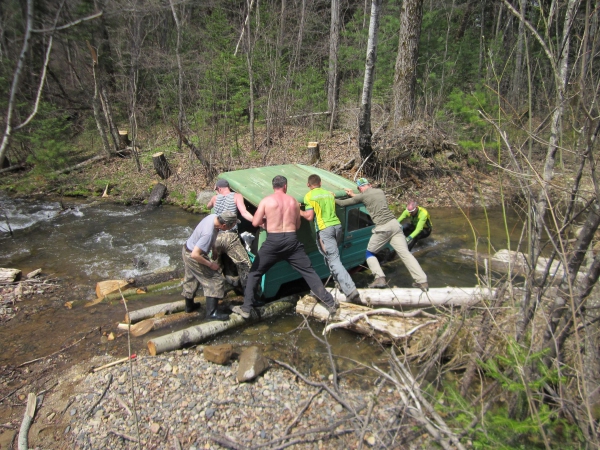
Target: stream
x,y
82,242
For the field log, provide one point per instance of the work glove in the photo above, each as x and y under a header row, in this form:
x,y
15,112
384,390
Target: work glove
x,y
409,239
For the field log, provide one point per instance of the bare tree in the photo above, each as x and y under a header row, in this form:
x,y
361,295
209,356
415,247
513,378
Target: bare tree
x,y
405,77
364,122
9,128
181,113
333,73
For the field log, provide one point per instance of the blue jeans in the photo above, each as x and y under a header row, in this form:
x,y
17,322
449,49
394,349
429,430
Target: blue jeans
x,y
328,240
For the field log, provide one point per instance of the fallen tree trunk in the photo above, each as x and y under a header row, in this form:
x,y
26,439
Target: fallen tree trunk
x,y
155,278
156,196
195,334
145,313
134,291
81,164
505,260
415,297
15,167
385,328
162,308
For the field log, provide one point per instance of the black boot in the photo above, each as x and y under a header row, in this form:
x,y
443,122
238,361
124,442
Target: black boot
x,y
212,313
190,306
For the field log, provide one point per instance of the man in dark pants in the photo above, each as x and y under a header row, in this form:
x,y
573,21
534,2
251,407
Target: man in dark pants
x,y
419,226
200,268
279,214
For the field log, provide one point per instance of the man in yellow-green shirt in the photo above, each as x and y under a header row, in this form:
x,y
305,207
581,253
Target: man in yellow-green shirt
x,y
320,207
419,226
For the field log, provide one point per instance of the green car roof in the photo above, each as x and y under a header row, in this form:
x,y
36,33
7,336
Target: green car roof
x,y
255,184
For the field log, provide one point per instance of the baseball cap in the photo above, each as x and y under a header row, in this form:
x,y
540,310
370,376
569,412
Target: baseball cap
x,y
221,183
229,218
362,182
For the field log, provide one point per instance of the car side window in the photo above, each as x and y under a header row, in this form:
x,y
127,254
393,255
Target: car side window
x,y
358,218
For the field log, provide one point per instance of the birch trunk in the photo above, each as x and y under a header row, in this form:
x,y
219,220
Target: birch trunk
x,y
16,81
364,124
196,334
334,43
448,296
179,72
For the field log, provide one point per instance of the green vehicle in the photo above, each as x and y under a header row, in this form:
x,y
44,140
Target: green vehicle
x,y
255,184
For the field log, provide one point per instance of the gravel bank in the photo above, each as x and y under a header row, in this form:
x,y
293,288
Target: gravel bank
x,y
180,396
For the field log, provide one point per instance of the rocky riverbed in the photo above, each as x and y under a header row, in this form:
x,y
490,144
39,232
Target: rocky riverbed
x,y
181,400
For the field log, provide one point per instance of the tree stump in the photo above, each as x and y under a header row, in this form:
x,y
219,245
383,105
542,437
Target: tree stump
x,y
313,152
161,165
124,141
156,196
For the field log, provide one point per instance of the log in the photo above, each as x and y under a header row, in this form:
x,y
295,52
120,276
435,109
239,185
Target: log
x,y
448,296
81,164
157,323
15,167
156,196
155,278
9,275
504,260
384,328
161,165
313,152
195,334
163,308
134,291
103,288
145,313
27,421
124,141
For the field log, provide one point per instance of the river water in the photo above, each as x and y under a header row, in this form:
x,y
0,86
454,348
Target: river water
x,y
82,243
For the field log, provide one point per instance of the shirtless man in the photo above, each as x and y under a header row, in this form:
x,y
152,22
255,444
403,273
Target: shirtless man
x,y
279,214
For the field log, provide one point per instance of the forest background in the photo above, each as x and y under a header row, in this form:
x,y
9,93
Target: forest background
x,y
407,92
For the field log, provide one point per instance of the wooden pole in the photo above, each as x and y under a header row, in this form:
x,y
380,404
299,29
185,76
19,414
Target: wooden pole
x,y
415,297
195,334
114,363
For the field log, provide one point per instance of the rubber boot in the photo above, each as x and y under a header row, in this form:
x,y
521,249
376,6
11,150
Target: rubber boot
x,y
212,313
190,306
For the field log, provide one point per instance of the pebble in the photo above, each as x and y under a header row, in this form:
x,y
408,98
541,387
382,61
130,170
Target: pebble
x,y
180,393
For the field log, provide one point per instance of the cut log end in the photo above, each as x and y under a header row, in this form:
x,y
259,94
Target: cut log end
x,y
151,348
142,327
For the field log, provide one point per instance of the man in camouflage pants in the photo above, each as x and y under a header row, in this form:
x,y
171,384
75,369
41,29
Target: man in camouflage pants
x,y
228,242
201,268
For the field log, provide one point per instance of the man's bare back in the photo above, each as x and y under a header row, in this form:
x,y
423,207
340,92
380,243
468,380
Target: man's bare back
x,y
282,212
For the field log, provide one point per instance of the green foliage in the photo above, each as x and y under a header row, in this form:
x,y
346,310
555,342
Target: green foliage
x,y
47,137
518,357
497,429
191,198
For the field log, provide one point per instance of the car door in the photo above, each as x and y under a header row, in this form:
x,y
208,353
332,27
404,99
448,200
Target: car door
x,y
358,227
